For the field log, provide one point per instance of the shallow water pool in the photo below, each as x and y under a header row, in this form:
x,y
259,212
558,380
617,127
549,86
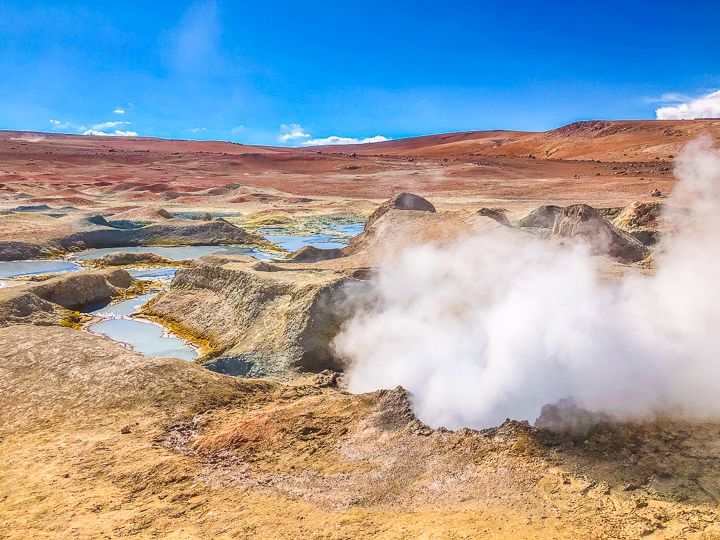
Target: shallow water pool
x,y
120,309
144,337
12,269
293,242
175,253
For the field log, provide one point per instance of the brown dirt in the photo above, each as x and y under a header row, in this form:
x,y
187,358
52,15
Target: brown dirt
x,y
161,448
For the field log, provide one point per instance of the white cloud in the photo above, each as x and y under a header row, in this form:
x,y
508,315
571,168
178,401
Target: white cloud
x,y
116,133
195,130
293,131
237,129
705,107
119,111
56,122
344,140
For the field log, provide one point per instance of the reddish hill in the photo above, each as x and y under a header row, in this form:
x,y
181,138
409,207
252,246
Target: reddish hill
x,y
594,160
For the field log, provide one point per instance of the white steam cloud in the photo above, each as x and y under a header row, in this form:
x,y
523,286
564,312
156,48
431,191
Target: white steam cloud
x,y
499,325
705,107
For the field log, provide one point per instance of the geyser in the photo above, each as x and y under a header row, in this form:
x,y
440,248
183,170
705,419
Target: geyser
x,y
499,325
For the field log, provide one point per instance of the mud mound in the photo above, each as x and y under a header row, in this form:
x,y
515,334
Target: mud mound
x,y
543,216
403,201
146,214
168,232
584,221
46,303
124,258
311,254
496,214
640,216
396,230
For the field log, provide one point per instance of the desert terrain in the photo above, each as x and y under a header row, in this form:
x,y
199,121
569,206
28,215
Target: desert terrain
x,y
259,436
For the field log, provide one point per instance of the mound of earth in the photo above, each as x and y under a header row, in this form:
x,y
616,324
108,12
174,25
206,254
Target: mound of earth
x,y
124,258
169,232
49,302
311,254
640,216
496,214
144,214
283,321
543,217
584,221
402,201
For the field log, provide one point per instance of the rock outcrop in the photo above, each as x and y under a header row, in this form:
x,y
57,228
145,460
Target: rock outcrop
x,y
403,201
281,321
123,258
169,232
310,254
48,302
543,217
584,221
641,220
496,214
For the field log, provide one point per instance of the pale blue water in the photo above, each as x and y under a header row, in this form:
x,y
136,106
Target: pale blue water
x,y
160,272
350,230
175,253
293,243
144,337
11,269
120,309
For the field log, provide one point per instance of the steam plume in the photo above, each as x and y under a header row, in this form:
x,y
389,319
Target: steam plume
x,y
498,325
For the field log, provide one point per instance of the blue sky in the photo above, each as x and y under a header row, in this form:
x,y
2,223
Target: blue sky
x,y
295,73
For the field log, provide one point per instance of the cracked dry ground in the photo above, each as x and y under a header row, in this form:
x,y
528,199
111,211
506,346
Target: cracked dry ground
x,y
101,442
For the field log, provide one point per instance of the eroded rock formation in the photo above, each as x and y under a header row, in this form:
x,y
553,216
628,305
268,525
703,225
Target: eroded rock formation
x,y
584,221
283,321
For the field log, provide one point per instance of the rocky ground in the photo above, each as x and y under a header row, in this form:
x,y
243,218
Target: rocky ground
x,y
97,441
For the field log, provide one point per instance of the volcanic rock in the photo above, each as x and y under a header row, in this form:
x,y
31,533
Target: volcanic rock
x,y
543,216
497,215
124,258
283,321
47,302
310,254
584,221
403,201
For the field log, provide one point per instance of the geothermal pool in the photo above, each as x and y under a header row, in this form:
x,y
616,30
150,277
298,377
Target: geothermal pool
x,y
175,253
144,337
15,269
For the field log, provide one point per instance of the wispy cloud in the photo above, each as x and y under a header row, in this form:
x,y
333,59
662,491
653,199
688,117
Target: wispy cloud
x,y
707,106
116,133
344,140
194,130
108,125
57,124
291,132
237,129
101,130
119,111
